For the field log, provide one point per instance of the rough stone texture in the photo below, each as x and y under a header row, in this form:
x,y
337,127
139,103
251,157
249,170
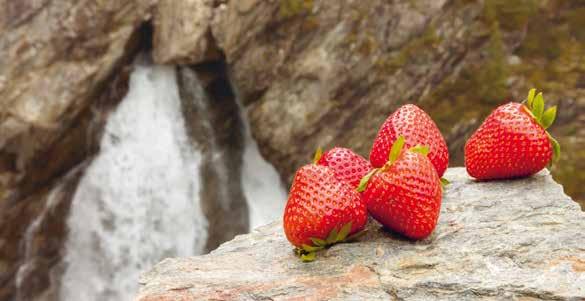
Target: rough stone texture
x,y
340,67
509,240
182,33
62,69
53,61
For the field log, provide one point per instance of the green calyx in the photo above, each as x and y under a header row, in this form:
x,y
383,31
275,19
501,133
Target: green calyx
x,y
307,253
395,152
318,155
421,149
444,182
364,181
545,118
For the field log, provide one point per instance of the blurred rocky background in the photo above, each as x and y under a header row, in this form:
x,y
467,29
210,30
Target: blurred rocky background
x,y
292,74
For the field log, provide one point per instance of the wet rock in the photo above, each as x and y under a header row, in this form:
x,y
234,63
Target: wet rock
x,y
495,240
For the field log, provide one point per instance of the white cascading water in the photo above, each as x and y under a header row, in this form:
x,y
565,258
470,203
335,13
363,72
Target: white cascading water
x,y
261,183
138,201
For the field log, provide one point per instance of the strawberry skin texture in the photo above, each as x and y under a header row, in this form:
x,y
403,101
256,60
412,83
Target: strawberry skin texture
x,y
318,203
418,128
406,198
509,144
347,165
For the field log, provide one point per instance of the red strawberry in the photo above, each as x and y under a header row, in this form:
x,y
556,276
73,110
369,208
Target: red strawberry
x,y
321,210
512,142
347,165
405,194
418,128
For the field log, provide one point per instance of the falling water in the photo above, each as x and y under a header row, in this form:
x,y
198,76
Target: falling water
x,y
261,183
138,201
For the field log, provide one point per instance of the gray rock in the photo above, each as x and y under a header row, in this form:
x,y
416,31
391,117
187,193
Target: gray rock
x,y
512,240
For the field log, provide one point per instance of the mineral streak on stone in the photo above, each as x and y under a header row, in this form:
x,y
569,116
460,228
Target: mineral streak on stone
x,y
520,240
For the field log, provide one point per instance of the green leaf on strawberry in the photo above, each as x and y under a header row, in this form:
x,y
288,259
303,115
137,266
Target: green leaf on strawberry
x,y
342,234
307,252
396,149
308,257
535,108
311,248
318,242
538,107
318,155
332,237
530,97
556,148
444,182
364,181
548,117
356,235
421,149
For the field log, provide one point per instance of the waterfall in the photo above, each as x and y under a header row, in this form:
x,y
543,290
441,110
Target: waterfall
x,y
261,183
163,163
138,201
31,257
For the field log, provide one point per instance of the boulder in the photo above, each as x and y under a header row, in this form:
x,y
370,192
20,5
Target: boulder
x,y
520,240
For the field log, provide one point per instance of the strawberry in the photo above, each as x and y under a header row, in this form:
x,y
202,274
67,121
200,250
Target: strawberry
x,y
321,210
512,142
405,194
417,128
347,165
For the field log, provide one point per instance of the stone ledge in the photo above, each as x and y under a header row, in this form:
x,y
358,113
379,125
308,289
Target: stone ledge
x,y
521,239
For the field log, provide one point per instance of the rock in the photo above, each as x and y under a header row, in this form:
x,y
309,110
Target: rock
x,y
341,67
182,32
54,59
520,240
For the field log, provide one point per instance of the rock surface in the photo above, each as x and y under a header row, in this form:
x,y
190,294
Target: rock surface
x,y
182,34
520,240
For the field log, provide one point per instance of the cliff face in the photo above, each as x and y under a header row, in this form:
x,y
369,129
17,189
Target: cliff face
x,y
340,67
517,240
